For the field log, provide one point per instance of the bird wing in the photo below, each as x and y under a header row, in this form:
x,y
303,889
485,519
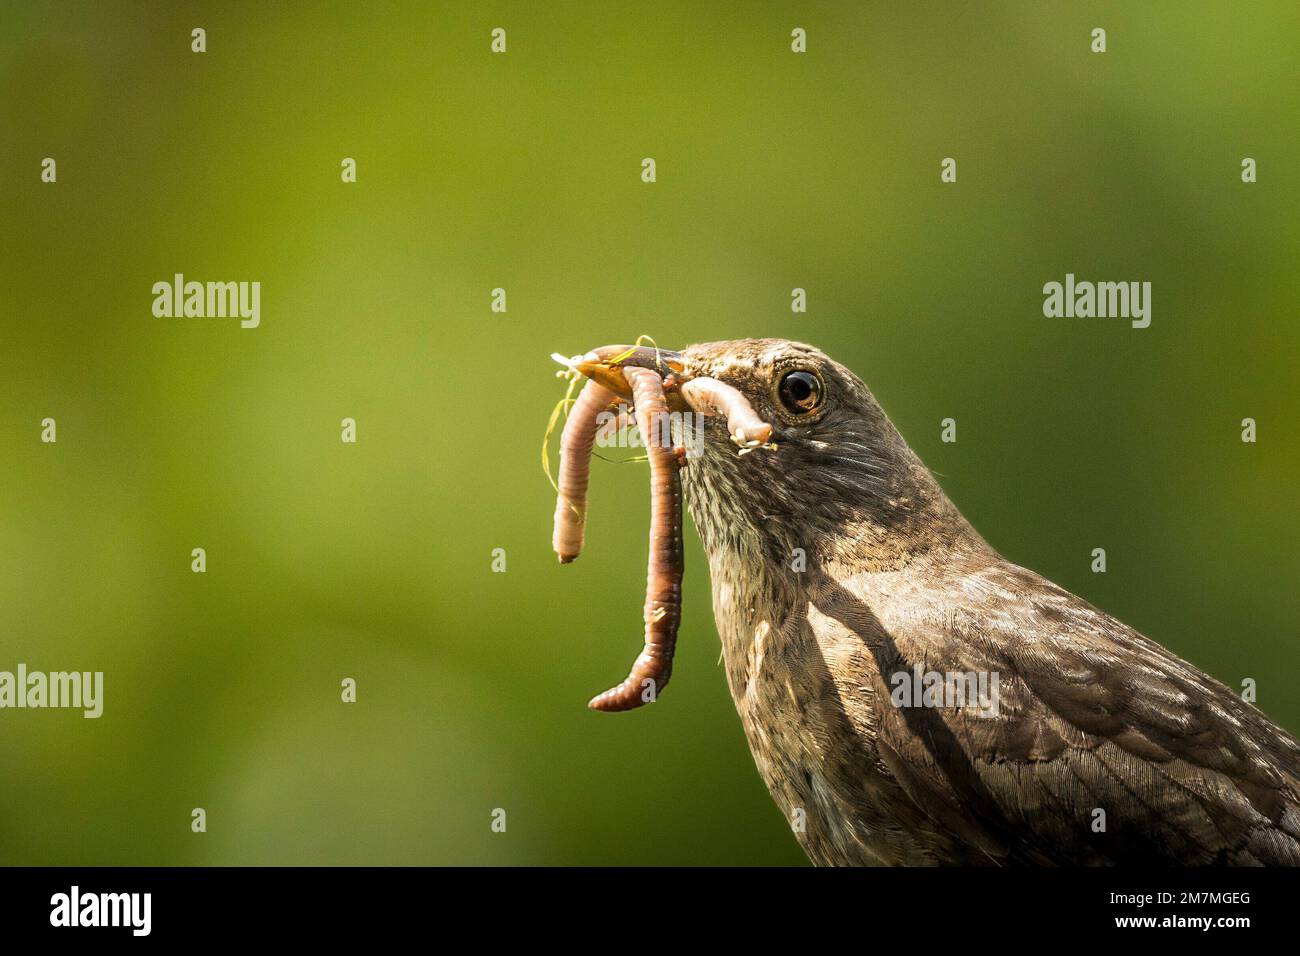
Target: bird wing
x,y
1104,748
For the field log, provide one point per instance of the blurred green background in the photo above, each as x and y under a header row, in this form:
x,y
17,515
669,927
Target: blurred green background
x,y
522,171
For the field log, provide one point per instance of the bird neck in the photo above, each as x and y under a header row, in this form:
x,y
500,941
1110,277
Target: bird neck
x,y
830,518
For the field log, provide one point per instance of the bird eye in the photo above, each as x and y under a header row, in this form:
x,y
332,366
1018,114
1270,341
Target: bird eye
x,y
801,392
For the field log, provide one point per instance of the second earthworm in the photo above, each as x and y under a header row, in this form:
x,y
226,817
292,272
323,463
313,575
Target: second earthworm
x,y
663,600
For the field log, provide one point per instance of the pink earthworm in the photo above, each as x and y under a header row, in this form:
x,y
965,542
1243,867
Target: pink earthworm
x,y
708,396
575,469
663,600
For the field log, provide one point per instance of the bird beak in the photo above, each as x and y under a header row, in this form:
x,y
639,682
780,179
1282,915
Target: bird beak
x,y
683,390
605,365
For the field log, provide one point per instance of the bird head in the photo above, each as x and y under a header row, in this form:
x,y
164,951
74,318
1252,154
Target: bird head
x,y
834,477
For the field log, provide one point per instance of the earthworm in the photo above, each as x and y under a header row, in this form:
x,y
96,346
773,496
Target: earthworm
x,y
708,396
663,598
575,469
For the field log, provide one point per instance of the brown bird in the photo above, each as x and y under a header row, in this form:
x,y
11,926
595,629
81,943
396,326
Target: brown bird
x,y
910,696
